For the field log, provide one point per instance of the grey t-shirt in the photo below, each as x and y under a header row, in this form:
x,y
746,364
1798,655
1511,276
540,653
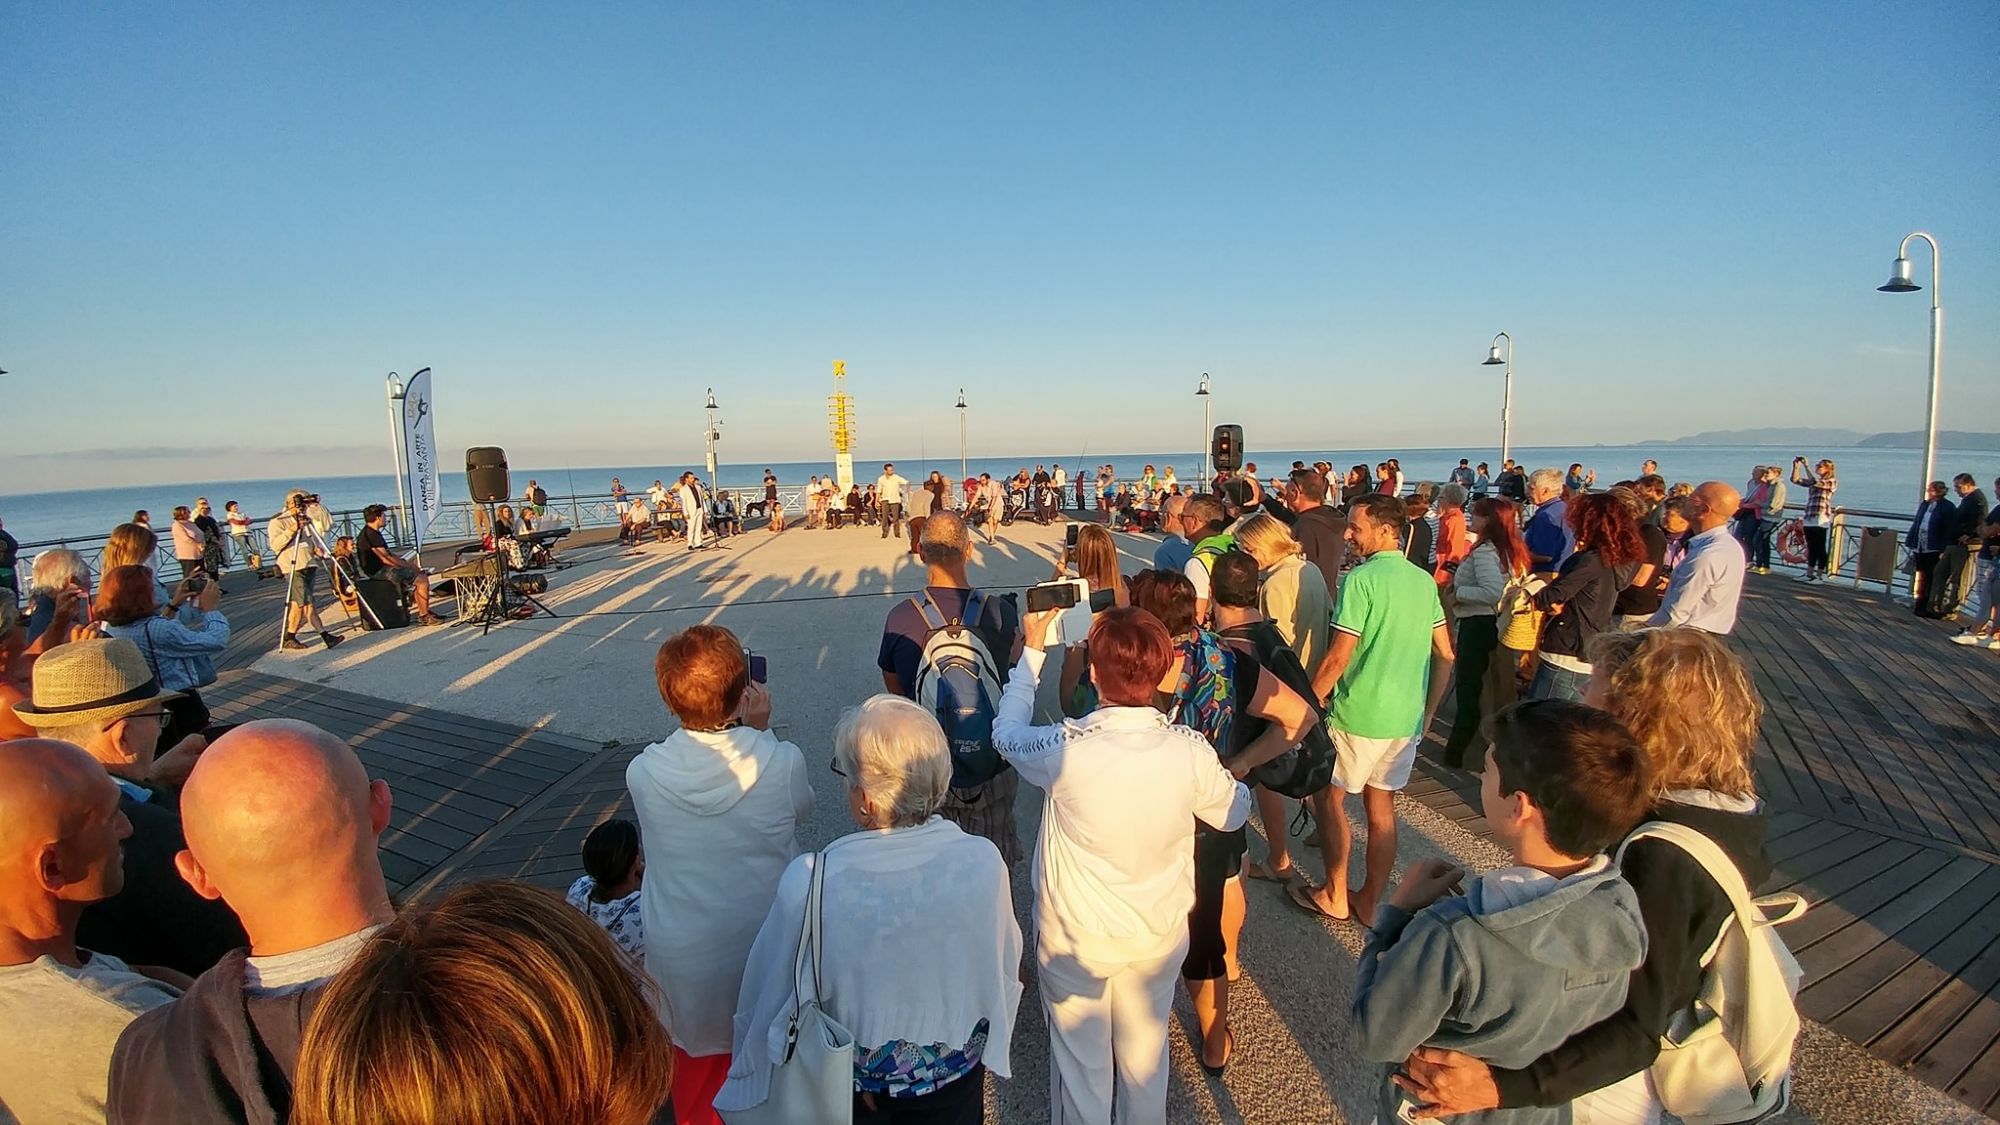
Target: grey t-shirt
x,y
66,1020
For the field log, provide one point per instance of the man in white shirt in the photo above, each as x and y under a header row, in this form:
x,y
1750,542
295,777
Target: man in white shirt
x,y
282,823
63,1007
1057,480
1704,589
889,497
689,495
1114,865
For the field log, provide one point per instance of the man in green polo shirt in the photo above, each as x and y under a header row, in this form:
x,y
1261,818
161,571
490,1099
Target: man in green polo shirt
x,y
1384,672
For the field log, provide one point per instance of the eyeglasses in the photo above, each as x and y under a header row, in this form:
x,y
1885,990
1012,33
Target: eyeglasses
x,y
834,765
160,715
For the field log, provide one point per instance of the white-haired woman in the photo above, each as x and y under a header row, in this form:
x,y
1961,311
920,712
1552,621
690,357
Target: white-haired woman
x,y
921,955
55,570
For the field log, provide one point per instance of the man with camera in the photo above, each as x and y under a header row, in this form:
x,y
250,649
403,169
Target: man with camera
x,y
378,561
296,541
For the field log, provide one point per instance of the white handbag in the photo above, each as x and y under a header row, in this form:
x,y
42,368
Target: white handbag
x,y
813,1082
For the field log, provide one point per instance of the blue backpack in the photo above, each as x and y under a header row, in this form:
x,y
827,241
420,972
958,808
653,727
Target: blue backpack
x,y
959,681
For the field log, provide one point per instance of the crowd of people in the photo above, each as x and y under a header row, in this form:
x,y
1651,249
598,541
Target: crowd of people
x,y
195,925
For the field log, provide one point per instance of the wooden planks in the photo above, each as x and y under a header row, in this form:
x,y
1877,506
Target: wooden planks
x,y
1879,762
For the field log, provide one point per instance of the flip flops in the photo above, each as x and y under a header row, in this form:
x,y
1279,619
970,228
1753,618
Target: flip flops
x,y
1301,895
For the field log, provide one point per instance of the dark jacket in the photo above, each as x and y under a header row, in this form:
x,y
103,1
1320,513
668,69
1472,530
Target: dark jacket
x,y
215,1055
157,919
1587,590
1684,911
1939,515
1970,518
1322,531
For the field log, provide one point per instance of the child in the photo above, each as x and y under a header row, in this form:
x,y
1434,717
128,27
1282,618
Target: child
x,y
1529,954
608,890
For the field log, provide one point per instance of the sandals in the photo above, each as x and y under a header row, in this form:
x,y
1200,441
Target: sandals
x,y
1301,895
1229,1037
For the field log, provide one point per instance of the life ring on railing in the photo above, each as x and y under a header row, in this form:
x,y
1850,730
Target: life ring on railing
x,y
1792,542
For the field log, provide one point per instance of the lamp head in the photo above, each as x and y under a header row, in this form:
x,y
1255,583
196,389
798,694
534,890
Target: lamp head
x,y
1203,389
1899,280
395,385
711,398
1492,357
961,398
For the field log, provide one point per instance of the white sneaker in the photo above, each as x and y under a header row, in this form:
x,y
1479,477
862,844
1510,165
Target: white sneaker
x,y
1971,639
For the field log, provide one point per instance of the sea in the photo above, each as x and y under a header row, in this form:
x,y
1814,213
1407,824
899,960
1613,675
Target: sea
x,y
1873,479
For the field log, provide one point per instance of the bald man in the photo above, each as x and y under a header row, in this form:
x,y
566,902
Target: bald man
x,y
1705,587
281,822
63,1007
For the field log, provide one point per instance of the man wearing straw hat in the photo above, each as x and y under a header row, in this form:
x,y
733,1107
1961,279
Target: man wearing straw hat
x,y
101,696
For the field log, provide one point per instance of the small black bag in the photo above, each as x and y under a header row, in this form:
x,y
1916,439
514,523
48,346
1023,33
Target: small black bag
x,y
1306,768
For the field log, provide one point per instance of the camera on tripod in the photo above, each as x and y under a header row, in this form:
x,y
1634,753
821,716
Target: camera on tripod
x,y
303,501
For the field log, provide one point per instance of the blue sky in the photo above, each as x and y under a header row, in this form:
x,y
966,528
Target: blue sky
x,y
223,224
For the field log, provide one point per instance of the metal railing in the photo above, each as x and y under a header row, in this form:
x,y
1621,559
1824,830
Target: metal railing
x,y
462,521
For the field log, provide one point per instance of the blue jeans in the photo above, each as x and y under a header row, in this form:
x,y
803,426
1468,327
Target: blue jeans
x,y
1552,682
1760,546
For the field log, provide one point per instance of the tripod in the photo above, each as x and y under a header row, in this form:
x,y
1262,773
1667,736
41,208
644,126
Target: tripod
x,y
498,607
315,544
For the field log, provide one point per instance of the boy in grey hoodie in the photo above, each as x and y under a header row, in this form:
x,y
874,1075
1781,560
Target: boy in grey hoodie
x,y
1529,954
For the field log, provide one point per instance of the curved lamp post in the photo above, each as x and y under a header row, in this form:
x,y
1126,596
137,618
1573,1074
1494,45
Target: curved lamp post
x,y
1899,282
1493,359
963,471
1207,414
710,435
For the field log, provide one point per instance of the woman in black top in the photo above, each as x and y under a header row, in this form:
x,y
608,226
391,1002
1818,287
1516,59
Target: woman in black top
x,y
1581,601
1688,701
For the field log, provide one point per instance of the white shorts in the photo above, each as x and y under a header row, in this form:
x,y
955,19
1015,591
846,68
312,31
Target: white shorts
x,y
1371,763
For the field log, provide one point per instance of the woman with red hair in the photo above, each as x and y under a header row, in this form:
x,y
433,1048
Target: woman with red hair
x,y
1114,867
1582,600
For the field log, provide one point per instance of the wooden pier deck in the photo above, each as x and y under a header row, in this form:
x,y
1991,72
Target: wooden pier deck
x,y
1879,756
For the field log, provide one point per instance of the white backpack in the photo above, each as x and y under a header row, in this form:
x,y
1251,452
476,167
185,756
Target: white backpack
x,y
1728,1058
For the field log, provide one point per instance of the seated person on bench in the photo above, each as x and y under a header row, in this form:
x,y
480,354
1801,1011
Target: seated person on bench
x,y
722,515
634,516
377,561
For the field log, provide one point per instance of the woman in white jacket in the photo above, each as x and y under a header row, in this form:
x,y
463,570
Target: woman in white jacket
x,y
718,803
1499,559
1114,865
921,952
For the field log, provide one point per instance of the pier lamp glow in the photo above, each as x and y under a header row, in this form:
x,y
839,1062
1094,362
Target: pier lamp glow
x,y
963,471
396,444
1493,359
1900,282
1207,414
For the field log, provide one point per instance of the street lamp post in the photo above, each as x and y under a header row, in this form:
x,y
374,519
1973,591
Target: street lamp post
x,y
396,444
963,470
1506,395
1207,414
709,436
1899,282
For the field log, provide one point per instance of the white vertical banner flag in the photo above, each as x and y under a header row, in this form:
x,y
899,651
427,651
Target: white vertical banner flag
x,y
420,454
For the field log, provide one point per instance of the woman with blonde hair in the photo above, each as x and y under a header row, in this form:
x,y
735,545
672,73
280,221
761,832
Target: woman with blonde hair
x,y
1293,593
1095,560
920,951
130,544
494,1003
1689,702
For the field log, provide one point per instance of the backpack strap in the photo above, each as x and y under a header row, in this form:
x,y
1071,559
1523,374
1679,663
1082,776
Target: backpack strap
x,y
1721,869
975,608
929,611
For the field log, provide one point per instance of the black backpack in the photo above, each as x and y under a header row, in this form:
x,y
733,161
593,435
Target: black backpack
x,y
1307,768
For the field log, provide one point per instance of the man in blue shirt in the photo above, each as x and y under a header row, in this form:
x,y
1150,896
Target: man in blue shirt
x,y
1707,584
1548,536
1173,552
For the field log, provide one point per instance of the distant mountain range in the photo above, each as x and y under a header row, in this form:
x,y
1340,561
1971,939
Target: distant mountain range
x,y
1829,437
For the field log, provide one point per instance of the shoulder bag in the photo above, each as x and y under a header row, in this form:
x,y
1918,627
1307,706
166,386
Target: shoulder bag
x,y
813,1082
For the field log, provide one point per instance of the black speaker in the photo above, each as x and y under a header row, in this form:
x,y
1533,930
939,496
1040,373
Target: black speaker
x,y
1228,450
486,474
385,601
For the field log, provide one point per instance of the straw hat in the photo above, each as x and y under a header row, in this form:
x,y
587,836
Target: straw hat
x,y
89,682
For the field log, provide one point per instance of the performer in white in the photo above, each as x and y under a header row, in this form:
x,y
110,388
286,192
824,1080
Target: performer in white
x,y
692,510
